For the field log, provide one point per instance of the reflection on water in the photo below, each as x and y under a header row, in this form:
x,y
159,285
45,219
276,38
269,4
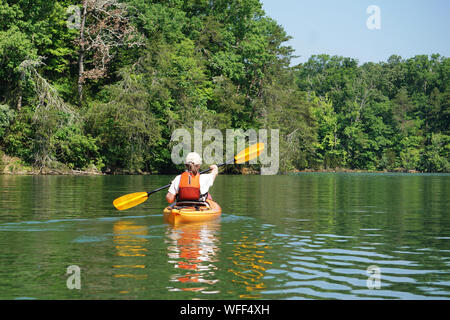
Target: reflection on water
x,y
249,265
193,250
129,243
307,236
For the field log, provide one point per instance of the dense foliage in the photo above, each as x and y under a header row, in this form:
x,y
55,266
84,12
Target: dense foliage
x,y
108,89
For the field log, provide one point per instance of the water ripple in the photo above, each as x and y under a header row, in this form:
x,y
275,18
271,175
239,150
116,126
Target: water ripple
x,y
319,267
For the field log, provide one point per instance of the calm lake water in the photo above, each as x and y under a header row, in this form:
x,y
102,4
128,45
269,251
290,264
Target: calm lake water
x,y
305,236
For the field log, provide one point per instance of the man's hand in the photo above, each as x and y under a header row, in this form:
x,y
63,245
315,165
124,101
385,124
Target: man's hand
x,y
214,170
170,197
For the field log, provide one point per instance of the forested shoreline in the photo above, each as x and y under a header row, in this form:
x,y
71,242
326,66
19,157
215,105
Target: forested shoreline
x,y
100,87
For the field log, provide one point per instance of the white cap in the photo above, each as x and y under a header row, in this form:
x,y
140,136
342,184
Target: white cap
x,y
193,157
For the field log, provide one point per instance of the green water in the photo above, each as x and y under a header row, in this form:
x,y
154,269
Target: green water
x,y
306,236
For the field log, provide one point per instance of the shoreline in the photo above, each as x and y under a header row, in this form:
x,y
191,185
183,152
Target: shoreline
x,y
71,172
55,172
345,170
15,166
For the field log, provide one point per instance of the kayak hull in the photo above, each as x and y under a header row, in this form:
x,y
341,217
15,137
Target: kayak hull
x,y
189,214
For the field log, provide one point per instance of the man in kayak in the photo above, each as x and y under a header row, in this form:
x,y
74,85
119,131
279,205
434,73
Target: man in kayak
x,y
190,185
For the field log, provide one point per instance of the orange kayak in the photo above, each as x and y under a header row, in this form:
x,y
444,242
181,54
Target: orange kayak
x,y
192,211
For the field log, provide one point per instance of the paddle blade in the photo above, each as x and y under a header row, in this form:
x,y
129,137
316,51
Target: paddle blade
x,y
249,153
130,200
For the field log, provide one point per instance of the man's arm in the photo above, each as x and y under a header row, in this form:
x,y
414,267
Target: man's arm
x,y
173,190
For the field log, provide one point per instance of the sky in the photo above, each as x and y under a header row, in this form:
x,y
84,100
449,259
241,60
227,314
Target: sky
x,y
340,27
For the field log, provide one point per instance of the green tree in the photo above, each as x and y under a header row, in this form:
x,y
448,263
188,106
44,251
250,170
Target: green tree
x,y
437,154
124,126
6,117
15,47
330,150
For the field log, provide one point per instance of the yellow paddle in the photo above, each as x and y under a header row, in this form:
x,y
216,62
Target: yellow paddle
x,y
133,199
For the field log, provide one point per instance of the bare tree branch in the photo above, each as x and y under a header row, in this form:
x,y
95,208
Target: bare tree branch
x,y
107,27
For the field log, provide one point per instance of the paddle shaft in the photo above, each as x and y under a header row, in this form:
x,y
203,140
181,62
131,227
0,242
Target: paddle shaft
x,y
201,172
